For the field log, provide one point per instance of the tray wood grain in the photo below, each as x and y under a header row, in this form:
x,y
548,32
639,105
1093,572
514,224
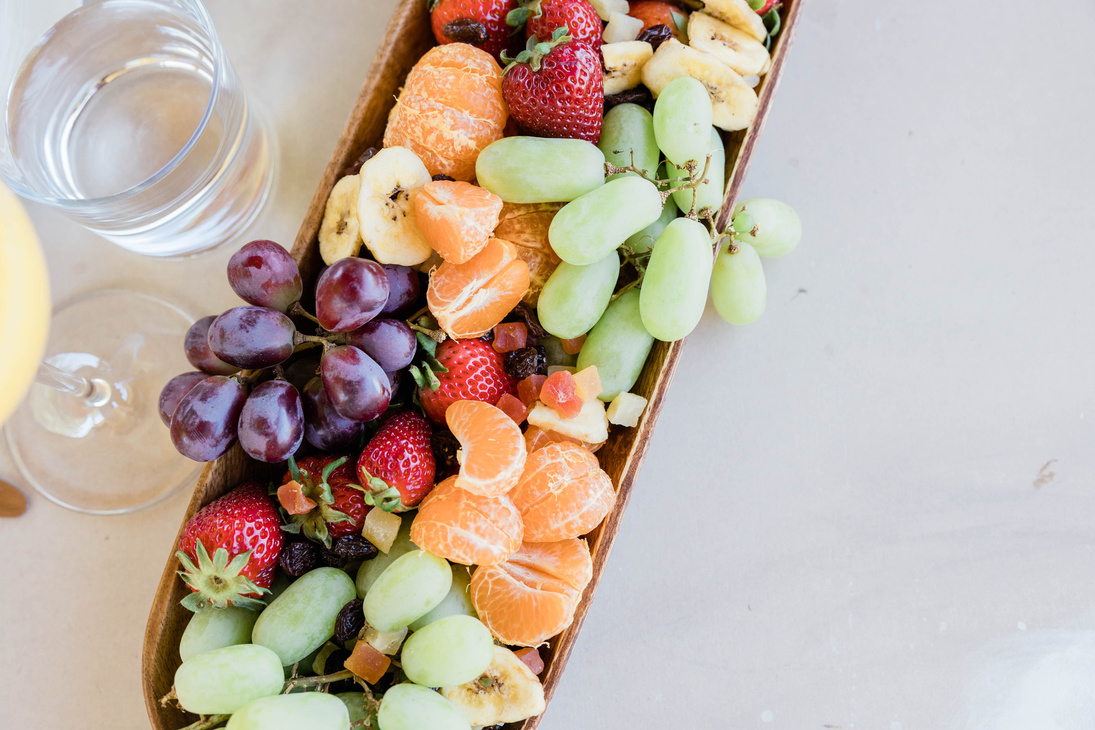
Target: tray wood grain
x,y
408,37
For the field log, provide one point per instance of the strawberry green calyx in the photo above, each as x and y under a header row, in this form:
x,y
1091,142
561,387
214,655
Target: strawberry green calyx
x,y
217,582
535,50
520,15
380,494
313,523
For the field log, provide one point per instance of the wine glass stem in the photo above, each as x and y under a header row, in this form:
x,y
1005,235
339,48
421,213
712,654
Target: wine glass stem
x,y
94,391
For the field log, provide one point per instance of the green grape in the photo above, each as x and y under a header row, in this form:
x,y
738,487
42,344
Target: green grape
x,y
618,345
456,603
448,652
556,355
214,628
585,230
298,621
221,681
770,226
711,192
738,288
370,570
682,117
674,288
575,297
306,711
410,707
355,705
642,241
407,589
627,129
540,170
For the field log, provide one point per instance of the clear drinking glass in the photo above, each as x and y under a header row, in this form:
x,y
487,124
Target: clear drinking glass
x,y
127,117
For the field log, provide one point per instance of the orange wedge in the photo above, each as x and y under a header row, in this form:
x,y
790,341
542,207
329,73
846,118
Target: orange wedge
x,y
492,447
562,493
456,218
467,528
468,299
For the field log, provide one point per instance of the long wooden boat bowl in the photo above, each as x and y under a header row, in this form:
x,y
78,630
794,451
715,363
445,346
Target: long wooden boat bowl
x,y
407,38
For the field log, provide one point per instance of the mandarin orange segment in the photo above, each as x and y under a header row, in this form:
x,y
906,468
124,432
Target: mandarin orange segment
x,y
525,225
466,528
468,299
538,438
492,447
456,218
562,493
532,596
450,109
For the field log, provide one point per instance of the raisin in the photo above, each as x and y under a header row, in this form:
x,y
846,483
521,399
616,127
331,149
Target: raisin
x,y
656,35
346,549
350,621
639,95
443,178
527,361
465,30
525,314
355,167
297,558
445,447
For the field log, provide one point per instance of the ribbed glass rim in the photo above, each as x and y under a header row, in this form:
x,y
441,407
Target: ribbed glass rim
x,y
201,14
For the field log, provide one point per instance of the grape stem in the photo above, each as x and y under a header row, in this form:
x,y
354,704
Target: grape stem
x,y
300,311
302,341
206,723
320,681
668,187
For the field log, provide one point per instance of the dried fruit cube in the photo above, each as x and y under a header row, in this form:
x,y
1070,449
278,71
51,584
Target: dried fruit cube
x,y
528,390
531,657
574,346
510,336
625,409
560,392
291,496
513,407
380,529
589,383
386,642
367,663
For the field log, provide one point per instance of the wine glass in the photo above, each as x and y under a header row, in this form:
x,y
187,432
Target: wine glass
x,y
125,116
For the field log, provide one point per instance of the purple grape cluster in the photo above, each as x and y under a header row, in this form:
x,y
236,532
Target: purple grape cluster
x,y
258,378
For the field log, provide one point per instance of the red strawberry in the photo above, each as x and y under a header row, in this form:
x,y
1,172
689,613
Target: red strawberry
x,y
229,549
654,12
556,88
474,372
481,23
398,464
333,505
766,5
542,17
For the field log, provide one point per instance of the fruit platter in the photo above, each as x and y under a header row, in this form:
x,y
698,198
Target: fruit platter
x,y
424,423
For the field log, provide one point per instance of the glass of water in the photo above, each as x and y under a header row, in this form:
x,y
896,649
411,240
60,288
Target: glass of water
x,y
126,116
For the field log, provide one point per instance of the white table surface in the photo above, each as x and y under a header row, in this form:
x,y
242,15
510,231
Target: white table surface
x,y
839,523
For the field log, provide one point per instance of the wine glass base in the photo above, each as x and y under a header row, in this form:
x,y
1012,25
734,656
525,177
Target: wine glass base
x,y
124,461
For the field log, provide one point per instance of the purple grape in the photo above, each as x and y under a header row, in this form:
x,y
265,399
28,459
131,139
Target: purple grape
x,y
388,341
174,391
300,371
405,288
252,337
264,274
356,385
204,424
324,427
196,346
350,293
272,422
394,379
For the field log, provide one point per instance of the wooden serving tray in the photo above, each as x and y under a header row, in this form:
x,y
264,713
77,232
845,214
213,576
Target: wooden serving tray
x,y
407,38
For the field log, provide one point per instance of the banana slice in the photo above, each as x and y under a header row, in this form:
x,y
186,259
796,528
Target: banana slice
x,y
738,14
737,49
735,104
622,27
340,233
507,692
624,63
385,207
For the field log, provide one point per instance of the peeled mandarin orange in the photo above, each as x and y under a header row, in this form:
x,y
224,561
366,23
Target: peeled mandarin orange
x,y
467,528
538,438
468,299
450,109
492,447
562,493
456,218
525,225
532,596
